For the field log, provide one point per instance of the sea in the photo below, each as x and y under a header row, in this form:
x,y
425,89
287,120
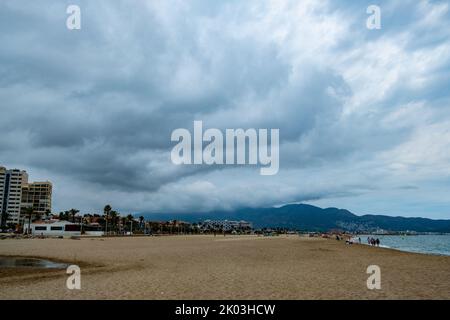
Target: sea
x,y
429,244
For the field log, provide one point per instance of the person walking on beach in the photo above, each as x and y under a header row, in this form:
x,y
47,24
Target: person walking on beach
x,y
377,242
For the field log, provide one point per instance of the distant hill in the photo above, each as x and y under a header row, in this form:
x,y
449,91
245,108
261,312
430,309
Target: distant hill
x,y
311,218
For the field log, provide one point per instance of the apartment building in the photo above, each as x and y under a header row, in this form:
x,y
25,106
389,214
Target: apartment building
x,y
17,194
37,195
11,183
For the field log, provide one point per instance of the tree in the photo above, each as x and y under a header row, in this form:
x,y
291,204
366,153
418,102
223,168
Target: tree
x,y
106,211
29,211
66,215
124,222
37,216
114,215
130,218
141,221
73,213
4,218
63,215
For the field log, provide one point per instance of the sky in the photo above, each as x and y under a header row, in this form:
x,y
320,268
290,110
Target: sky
x,y
363,114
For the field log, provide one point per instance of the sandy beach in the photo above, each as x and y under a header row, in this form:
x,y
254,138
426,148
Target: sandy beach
x,y
232,267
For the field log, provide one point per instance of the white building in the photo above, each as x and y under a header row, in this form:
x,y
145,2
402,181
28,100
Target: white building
x,y
225,225
54,228
11,182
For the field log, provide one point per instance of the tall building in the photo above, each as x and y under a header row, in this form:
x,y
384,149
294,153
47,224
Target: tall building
x,y
17,194
11,183
37,195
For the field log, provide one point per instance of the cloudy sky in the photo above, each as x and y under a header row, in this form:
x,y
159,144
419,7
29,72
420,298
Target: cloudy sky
x,y
364,115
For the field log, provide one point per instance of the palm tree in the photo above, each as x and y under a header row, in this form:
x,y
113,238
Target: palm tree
x,y
107,210
124,223
141,222
63,215
47,214
73,213
37,216
130,218
4,218
29,211
114,216
82,222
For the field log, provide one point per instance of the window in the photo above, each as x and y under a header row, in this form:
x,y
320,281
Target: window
x,y
56,228
73,227
40,228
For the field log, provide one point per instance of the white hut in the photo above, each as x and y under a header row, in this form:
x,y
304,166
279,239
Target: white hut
x,y
54,228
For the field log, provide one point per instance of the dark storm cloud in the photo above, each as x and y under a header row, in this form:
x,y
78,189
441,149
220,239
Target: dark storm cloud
x,y
97,106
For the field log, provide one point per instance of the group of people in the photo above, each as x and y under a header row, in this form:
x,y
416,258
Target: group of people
x,y
373,241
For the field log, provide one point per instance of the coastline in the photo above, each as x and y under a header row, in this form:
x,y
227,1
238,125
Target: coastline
x,y
436,244
231,267
406,251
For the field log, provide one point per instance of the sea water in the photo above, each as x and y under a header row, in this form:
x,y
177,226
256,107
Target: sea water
x,y
430,244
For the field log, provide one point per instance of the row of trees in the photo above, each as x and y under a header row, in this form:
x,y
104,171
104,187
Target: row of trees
x,y
30,215
114,223
111,221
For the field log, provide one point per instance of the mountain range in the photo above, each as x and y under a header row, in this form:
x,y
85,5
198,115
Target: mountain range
x,y
311,218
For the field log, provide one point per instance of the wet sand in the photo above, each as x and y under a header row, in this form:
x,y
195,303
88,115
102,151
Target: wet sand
x,y
232,267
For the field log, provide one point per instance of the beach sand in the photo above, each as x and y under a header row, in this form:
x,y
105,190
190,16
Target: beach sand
x,y
232,267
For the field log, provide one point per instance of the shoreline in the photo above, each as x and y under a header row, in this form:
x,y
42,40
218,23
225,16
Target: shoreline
x,y
254,236
405,251
412,247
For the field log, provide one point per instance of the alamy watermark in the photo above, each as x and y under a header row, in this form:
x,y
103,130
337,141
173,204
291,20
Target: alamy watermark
x,y
73,21
374,20
74,280
374,280
249,147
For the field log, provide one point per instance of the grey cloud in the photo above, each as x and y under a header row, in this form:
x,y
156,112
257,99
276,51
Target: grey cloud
x,y
97,106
